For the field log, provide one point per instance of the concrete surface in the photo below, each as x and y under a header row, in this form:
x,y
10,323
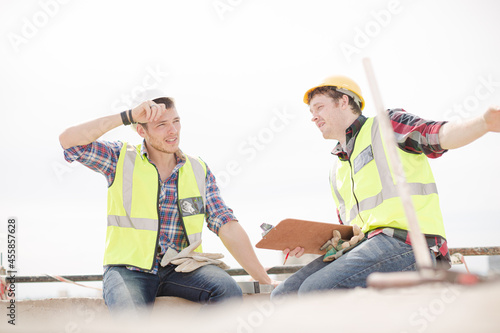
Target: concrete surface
x,y
431,308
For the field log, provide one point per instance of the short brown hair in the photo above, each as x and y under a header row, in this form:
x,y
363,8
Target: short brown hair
x,y
335,95
168,101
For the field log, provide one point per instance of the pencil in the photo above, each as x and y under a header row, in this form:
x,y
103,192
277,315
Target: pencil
x,y
286,258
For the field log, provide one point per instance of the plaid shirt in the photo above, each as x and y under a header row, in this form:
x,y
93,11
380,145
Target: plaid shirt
x,y
102,156
414,135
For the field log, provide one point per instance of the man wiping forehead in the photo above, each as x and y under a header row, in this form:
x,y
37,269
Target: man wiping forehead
x,y
158,201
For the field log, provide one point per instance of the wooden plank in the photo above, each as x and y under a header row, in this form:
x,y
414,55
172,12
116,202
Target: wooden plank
x,y
418,243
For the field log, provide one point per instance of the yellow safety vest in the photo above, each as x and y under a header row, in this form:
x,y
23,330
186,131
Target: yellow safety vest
x,y
133,228
364,187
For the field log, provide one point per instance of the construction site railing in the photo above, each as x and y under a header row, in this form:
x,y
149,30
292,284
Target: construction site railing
x,y
289,269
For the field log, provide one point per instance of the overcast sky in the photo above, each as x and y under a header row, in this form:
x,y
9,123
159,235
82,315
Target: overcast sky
x,y
238,70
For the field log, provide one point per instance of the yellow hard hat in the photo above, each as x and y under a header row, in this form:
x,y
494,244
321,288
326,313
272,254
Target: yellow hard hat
x,y
342,84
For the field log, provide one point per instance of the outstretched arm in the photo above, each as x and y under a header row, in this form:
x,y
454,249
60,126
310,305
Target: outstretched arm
x,y
90,131
237,242
460,133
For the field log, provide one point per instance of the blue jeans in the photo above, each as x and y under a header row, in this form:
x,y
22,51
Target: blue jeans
x,y
125,290
380,253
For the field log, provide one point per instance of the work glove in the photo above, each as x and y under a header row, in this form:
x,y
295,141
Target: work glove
x,y
336,247
186,265
188,260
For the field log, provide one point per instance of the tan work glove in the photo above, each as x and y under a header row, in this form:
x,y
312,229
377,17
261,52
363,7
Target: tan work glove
x,y
188,260
186,265
336,246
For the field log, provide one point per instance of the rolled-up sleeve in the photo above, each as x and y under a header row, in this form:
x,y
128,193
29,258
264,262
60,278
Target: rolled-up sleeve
x,y
417,135
217,213
100,156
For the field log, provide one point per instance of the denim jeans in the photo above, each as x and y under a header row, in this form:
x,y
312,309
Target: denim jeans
x,y
378,254
125,290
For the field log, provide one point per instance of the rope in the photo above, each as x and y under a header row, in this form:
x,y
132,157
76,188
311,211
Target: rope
x,y
59,278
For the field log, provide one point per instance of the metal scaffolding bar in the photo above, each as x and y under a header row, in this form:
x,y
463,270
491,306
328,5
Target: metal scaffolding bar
x,y
98,277
289,269
477,251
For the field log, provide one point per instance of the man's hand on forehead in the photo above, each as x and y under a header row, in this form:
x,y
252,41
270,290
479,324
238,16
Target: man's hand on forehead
x,y
148,111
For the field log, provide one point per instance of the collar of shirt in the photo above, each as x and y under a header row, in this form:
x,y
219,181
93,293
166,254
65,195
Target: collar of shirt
x,y
350,135
180,157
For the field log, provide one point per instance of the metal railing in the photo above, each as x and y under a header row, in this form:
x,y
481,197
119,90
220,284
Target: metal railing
x,y
289,269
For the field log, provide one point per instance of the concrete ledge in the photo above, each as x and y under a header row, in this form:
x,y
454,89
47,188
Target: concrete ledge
x,y
429,308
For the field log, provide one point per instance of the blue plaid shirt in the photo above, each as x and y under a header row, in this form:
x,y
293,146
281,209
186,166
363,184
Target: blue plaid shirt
x,y
102,157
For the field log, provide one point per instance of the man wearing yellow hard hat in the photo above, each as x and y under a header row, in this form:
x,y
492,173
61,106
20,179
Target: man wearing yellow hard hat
x,y
364,190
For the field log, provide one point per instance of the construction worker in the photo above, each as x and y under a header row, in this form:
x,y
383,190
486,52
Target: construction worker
x,y
364,190
158,198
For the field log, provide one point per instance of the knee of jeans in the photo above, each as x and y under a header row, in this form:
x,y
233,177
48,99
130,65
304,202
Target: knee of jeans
x,y
306,288
319,283
122,292
282,294
278,292
232,290
226,290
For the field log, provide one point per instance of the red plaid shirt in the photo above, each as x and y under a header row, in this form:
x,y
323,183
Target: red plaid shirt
x,y
414,135
102,157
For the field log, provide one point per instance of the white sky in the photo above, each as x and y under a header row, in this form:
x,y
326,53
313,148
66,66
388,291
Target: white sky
x,y
232,71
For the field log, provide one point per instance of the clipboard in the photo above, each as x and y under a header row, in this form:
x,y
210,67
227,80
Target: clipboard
x,y
290,233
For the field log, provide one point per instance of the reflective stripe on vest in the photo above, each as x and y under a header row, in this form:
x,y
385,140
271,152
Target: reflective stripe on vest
x,y
133,230
192,198
370,200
